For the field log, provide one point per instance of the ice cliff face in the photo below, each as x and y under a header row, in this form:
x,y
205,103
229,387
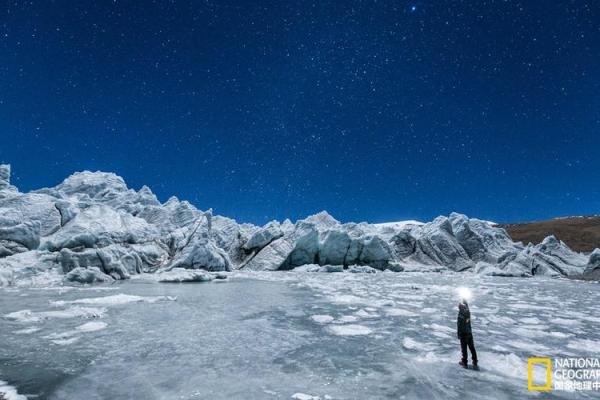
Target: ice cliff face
x,y
93,228
592,269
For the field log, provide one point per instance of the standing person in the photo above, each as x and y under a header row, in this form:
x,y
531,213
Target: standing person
x,y
465,334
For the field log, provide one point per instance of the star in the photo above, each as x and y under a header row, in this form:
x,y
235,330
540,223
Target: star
x,y
399,101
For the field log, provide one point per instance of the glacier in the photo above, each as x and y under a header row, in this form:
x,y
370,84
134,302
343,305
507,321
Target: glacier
x,y
93,228
105,294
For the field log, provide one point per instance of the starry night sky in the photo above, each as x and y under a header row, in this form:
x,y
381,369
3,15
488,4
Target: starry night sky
x,y
373,110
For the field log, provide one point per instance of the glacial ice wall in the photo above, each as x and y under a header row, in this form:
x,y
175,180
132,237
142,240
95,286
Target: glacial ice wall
x,y
93,228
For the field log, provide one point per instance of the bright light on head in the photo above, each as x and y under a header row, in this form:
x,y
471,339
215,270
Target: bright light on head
x,y
464,293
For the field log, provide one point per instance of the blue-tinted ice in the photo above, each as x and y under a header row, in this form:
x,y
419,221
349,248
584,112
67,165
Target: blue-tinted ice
x,y
275,335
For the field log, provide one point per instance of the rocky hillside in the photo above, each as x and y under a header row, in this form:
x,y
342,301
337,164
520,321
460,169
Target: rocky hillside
x,y
579,233
93,228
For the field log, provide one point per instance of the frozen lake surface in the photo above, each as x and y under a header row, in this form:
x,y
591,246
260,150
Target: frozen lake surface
x,y
275,335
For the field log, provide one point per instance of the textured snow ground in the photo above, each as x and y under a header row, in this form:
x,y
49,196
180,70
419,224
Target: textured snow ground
x,y
291,335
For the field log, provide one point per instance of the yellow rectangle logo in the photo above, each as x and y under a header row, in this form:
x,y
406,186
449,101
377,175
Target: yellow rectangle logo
x,y
530,364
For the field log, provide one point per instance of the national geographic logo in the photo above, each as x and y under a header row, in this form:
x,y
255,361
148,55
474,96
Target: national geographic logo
x,y
570,374
547,362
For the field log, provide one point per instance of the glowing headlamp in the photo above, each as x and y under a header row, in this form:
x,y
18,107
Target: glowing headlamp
x,y
464,293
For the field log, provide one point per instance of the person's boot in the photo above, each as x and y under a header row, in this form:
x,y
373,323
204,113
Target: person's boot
x,y
475,367
463,364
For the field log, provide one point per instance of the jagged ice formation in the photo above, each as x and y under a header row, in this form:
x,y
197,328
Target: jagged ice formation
x,y
93,228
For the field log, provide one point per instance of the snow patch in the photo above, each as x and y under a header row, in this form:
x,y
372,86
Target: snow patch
x,y
585,345
116,299
304,396
26,331
530,320
564,321
363,313
65,342
348,299
442,328
400,224
72,312
9,392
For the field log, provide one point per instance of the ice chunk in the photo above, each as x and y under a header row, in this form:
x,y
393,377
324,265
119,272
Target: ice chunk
x,y
349,330
303,396
202,254
332,268
363,313
364,269
322,319
179,275
92,326
346,318
32,268
87,275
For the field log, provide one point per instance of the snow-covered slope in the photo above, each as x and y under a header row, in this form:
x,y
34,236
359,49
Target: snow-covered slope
x,y
92,227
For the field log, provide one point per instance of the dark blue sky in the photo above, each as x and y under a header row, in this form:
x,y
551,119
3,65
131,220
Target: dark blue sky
x,y
372,110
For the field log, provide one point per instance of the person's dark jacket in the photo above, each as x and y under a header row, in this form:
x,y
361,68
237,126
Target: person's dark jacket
x,y
464,320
